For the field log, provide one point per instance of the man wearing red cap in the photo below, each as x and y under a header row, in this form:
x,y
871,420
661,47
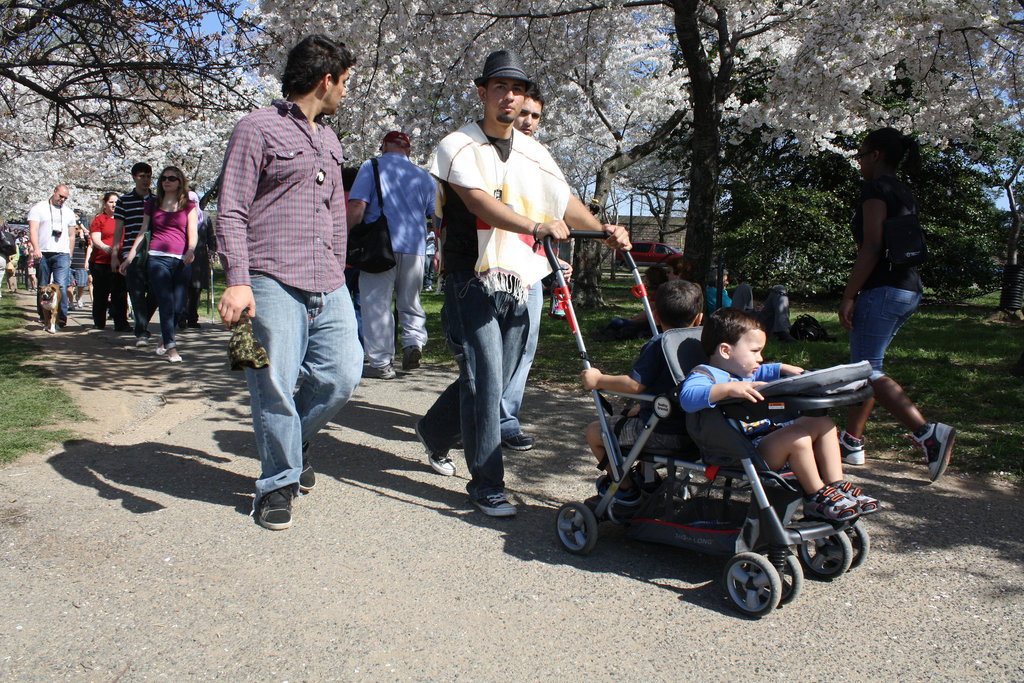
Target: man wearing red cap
x,y
408,193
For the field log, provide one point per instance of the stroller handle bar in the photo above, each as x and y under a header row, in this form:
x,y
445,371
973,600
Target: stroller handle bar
x,y
563,301
639,288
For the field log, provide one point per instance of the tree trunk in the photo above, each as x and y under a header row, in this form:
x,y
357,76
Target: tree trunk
x,y
587,254
1013,277
707,92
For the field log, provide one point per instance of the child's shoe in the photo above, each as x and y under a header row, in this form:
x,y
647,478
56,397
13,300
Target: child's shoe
x,y
627,497
936,440
856,494
644,475
852,448
830,504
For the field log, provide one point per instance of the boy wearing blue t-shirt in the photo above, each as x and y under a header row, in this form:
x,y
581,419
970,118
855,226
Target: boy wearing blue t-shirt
x,y
678,303
733,340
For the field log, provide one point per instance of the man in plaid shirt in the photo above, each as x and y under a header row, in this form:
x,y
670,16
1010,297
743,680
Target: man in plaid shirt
x,y
282,240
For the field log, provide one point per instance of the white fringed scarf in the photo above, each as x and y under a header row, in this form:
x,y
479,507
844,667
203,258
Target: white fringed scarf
x,y
530,183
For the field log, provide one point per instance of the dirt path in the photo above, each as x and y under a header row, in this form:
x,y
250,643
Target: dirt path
x,y
128,555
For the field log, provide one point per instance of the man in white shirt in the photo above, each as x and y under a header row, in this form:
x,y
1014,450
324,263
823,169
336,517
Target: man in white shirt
x,y
50,225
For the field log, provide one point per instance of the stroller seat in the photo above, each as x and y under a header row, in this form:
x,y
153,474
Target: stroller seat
x,y
716,430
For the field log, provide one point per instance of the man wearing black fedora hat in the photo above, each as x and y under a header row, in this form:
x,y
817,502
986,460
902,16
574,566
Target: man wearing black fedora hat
x,y
501,193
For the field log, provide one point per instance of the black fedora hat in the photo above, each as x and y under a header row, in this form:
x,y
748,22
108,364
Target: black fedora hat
x,y
503,64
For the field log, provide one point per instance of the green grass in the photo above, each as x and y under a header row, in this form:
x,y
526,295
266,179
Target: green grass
x,y
32,402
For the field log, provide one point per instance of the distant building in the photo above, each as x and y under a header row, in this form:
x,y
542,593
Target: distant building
x,y
646,229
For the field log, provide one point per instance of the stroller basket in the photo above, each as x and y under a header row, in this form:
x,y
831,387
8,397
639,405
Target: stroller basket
x,y
705,518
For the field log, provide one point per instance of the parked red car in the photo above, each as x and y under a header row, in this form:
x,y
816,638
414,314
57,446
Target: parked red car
x,y
648,252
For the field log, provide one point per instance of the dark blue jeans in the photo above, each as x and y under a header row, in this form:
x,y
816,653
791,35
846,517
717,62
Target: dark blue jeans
x,y
143,299
878,314
57,264
168,278
486,333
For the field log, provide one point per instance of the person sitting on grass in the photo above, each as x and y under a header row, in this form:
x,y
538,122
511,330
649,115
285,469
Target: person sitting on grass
x,y
733,340
678,304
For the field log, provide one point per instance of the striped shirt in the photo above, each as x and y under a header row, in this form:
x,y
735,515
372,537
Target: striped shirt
x,y
274,217
130,209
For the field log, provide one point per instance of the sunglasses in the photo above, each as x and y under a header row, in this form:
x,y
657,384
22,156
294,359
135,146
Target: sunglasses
x,y
860,155
169,178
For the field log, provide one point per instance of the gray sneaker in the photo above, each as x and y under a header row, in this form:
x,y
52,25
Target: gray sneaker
x,y
411,356
386,372
495,505
937,444
441,461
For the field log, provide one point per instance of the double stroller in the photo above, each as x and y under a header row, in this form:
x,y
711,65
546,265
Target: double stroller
x,y
716,495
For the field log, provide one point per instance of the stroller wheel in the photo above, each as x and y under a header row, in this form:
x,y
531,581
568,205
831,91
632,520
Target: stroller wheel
x,y
792,580
576,527
829,557
752,584
861,544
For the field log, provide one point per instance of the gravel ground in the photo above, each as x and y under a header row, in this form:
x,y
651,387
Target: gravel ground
x,y
128,554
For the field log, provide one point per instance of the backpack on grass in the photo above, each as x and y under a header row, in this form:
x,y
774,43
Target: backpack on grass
x,y
807,328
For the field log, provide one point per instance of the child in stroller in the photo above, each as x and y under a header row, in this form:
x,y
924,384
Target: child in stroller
x,y
732,340
716,494
678,304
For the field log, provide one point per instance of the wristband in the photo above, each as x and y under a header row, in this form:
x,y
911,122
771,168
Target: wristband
x,y
536,227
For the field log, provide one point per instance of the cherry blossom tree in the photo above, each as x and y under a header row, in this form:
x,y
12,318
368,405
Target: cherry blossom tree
x,y
121,66
87,87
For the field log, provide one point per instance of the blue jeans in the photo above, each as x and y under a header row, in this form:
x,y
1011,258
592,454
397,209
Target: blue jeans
x,y
168,278
877,315
309,337
486,333
512,398
57,264
143,301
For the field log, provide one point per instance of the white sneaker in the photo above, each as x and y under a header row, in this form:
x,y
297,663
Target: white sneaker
x,y
852,448
441,461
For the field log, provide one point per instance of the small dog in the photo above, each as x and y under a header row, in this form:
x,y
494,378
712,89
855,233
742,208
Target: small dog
x,y
49,300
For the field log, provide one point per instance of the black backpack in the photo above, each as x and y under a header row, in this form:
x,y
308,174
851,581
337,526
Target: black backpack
x,y
807,328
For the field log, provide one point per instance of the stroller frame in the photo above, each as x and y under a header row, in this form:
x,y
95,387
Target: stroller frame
x,y
769,550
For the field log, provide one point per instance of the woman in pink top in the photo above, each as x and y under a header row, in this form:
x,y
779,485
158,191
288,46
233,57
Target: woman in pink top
x,y
173,220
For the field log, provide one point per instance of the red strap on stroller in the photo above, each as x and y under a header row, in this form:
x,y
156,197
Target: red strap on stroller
x,y
561,296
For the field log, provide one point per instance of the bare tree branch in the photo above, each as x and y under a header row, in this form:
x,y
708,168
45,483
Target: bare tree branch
x,y
108,65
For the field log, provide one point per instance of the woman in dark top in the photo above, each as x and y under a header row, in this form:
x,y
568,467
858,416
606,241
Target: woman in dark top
x,y
880,297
